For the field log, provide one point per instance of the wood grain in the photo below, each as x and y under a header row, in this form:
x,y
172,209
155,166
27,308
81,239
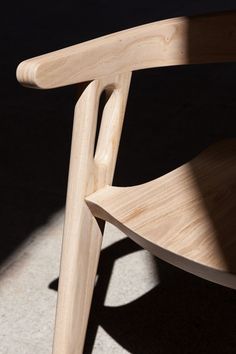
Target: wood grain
x,y
82,236
187,217
175,41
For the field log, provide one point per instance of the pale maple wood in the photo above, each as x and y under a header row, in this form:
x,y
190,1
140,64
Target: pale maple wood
x,y
175,41
82,236
186,217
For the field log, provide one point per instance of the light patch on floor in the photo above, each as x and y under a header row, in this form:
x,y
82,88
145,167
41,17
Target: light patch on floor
x,y
133,275
105,344
27,305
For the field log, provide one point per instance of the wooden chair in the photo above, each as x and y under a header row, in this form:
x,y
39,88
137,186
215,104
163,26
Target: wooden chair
x,y
186,217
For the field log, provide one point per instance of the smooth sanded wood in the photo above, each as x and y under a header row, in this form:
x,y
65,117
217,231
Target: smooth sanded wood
x,y
176,41
186,217
82,236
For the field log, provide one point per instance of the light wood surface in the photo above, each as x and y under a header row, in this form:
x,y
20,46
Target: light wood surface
x,y
187,217
82,236
176,41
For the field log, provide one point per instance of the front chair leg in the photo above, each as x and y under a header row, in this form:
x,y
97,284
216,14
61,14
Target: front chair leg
x,y
82,237
77,278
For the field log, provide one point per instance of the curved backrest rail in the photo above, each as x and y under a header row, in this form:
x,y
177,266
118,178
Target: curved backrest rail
x,y
177,41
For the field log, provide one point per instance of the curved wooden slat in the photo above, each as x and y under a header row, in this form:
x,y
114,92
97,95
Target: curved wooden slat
x,y
187,217
176,41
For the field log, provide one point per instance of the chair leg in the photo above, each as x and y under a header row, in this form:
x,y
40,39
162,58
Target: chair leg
x,y
82,236
77,278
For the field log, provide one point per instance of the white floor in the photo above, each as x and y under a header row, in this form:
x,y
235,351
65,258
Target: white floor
x,y
27,304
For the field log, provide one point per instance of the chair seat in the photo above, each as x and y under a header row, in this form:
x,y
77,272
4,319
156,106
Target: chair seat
x,y
186,217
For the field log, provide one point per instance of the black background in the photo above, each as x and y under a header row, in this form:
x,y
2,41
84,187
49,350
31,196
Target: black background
x,y
186,109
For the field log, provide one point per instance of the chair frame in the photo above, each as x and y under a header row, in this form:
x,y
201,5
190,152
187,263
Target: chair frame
x,y
106,64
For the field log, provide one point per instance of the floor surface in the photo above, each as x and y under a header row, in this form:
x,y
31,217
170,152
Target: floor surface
x,y
141,305
27,297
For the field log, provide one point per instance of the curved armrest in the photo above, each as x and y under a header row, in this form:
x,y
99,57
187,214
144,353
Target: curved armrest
x,y
176,41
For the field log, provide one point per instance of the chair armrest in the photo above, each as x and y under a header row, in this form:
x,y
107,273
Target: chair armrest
x,y
175,41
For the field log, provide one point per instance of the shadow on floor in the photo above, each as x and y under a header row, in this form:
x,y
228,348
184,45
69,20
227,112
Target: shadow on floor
x,y
183,314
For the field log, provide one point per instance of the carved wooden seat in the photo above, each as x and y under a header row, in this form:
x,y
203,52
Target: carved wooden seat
x,y
186,217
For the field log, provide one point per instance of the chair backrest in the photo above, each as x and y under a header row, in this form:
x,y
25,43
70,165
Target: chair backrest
x,y
178,41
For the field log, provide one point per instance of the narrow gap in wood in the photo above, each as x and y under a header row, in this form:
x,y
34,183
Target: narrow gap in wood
x,y
104,98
